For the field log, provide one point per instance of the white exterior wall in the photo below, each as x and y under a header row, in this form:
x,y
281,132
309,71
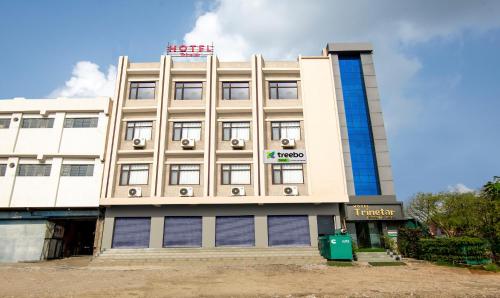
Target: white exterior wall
x,y
55,146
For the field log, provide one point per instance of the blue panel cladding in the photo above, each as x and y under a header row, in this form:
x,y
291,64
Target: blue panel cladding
x,y
363,158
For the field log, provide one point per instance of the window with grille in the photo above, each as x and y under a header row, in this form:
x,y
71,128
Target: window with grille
x,y
187,130
142,90
139,130
37,123
288,174
235,130
4,123
235,174
80,122
184,174
283,90
26,170
134,174
77,170
188,90
235,90
285,130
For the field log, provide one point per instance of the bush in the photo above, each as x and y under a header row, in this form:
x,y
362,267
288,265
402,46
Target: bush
x,y
457,250
408,241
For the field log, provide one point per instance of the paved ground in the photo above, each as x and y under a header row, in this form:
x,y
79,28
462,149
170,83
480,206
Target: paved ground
x,y
76,277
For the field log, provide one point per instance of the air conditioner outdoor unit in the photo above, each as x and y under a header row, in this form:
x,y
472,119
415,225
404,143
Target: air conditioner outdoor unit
x,y
134,192
187,143
288,143
290,191
139,142
186,191
238,191
237,143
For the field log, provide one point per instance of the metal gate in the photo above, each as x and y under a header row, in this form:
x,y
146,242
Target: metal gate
x,y
131,232
234,231
288,230
182,231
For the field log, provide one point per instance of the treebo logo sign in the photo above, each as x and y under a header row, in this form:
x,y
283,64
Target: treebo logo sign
x,y
284,156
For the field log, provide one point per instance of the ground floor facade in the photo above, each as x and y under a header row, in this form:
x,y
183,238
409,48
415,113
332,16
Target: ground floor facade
x,y
369,219
213,226
46,234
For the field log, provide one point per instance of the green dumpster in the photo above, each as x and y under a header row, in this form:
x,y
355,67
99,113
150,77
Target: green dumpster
x,y
336,247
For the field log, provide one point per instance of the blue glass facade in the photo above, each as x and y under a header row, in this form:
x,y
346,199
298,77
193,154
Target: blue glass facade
x,y
364,164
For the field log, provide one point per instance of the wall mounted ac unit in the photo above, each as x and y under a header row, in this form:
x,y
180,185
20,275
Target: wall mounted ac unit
x,y
238,191
187,143
139,142
290,191
287,143
186,192
134,192
237,143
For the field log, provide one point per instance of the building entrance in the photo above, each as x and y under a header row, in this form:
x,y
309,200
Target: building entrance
x,y
70,238
368,234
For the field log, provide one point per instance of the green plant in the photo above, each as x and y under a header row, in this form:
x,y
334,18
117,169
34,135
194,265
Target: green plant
x,y
371,249
387,264
492,267
455,250
339,263
408,242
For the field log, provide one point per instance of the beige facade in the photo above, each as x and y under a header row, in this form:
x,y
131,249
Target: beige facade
x,y
312,108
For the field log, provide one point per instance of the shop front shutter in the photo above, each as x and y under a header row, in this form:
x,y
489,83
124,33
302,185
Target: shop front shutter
x,y
182,231
131,232
234,231
288,230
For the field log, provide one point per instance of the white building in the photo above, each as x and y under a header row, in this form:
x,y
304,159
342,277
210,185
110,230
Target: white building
x,y
51,164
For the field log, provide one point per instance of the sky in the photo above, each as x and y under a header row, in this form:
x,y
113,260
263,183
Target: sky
x,y
437,63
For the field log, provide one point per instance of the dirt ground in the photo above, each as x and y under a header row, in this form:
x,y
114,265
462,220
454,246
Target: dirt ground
x,y
77,277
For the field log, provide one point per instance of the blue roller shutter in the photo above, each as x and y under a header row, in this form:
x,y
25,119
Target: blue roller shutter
x,y
288,230
182,231
234,231
131,232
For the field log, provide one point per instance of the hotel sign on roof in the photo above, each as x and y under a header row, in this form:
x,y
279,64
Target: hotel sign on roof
x,y
184,50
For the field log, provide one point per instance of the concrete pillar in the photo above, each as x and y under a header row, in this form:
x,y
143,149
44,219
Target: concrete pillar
x,y
156,232
107,234
208,237
313,230
261,237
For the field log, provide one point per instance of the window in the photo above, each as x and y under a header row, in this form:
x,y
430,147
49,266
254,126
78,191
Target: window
x,y
235,130
37,123
188,91
134,174
80,122
139,130
235,90
184,174
359,131
3,168
34,170
285,130
4,123
288,174
283,90
142,90
187,130
77,170
235,174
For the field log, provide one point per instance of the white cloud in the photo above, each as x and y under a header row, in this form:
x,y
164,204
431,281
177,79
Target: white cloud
x,y
284,29
87,80
460,188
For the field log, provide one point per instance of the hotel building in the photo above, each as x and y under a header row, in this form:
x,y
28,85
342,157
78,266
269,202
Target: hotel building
x,y
51,165
258,153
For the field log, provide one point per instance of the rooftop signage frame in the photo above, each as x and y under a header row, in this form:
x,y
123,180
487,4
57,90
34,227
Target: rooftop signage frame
x,y
195,50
